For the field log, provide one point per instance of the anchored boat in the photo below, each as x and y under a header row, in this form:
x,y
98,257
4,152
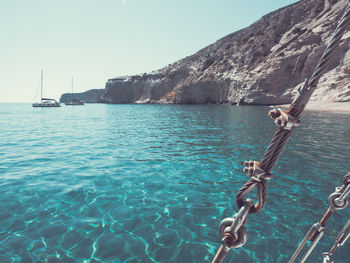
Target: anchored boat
x,y
74,101
45,102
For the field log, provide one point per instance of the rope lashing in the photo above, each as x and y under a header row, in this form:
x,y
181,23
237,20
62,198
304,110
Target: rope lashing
x,y
259,172
339,241
337,201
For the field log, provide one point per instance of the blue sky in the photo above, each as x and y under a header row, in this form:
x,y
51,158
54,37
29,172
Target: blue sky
x,y
93,40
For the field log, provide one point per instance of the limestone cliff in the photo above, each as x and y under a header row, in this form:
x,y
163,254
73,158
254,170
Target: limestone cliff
x,y
260,64
90,96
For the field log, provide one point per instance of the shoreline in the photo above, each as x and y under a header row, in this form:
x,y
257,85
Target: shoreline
x,y
343,107
317,106
325,106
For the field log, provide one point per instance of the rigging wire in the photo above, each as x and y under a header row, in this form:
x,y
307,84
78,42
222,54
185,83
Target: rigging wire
x,y
232,230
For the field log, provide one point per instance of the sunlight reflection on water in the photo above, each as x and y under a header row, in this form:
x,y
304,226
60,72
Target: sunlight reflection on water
x,y
149,183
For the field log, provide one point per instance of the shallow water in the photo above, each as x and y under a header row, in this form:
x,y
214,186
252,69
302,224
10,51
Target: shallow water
x,y
151,183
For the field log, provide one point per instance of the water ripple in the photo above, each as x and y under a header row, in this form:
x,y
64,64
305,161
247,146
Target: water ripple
x,y
150,183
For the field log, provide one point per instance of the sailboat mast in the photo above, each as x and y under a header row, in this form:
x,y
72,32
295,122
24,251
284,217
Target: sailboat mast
x,y
72,89
41,85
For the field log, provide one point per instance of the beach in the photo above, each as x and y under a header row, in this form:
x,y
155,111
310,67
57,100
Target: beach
x,y
325,106
328,106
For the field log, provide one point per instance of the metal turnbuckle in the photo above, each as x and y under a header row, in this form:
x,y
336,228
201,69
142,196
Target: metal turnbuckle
x,y
342,237
314,235
337,200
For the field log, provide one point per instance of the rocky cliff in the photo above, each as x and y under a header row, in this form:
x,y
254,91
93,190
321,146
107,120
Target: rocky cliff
x,y
261,64
90,96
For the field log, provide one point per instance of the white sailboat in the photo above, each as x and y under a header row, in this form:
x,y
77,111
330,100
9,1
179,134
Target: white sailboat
x,y
74,101
45,102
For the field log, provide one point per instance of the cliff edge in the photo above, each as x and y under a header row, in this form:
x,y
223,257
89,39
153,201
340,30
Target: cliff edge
x,y
261,64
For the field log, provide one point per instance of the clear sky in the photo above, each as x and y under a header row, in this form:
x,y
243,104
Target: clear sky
x,y
93,40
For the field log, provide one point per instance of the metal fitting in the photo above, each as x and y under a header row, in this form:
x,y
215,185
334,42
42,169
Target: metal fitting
x,y
303,95
326,258
343,236
253,170
346,179
314,235
233,230
229,240
319,228
343,198
339,199
283,119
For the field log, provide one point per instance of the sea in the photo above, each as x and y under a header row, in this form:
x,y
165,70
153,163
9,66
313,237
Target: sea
x,y
151,183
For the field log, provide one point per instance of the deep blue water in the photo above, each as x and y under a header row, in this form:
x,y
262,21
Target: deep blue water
x,y
150,183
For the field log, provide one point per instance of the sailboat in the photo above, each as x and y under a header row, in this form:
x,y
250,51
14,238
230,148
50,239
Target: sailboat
x,y
74,101
45,102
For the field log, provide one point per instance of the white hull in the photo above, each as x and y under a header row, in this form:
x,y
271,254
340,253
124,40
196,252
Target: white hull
x,y
72,103
46,105
45,102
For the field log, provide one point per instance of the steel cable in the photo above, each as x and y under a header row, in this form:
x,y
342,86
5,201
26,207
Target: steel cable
x,y
282,135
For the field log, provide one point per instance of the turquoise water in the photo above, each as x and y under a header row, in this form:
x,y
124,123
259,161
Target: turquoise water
x,y
150,183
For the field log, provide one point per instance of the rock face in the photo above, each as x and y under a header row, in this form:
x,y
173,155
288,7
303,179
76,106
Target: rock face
x,y
261,64
90,96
